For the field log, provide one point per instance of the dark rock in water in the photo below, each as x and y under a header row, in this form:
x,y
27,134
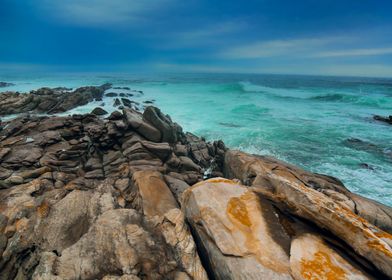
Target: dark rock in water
x,y
125,88
229,124
99,111
106,86
129,94
50,101
148,102
111,94
383,119
361,145
127,102
117,102
5,84
122,94
366,166
102,104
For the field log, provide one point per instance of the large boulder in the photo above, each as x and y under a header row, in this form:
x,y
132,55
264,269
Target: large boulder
x,y
244,236
135,120
281,185
312,258
241,236
255,170
171,132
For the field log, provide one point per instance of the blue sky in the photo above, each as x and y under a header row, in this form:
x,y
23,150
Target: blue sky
x,y
330,37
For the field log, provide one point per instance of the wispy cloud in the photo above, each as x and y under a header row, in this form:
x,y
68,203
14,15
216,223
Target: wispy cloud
x,y
323,47
278,47
355,52
104,12
208,35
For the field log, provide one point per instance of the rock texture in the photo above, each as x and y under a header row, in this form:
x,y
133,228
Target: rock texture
x,y
86,198
322,200
47,100
247,237
132,196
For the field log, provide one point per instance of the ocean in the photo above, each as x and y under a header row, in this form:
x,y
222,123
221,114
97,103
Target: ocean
x,y
322,124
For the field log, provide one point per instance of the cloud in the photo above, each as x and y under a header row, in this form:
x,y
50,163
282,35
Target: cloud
x,y
278,48
104,12
207,35
355,52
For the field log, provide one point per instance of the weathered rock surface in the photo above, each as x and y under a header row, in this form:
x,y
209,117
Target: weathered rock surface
x,y
83,197
47,100
236,231
321,200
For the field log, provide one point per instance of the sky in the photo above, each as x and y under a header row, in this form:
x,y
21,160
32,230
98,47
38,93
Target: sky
x,y
319,37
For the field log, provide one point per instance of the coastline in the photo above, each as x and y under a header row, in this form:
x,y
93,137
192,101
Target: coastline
x,y
297,120
76,190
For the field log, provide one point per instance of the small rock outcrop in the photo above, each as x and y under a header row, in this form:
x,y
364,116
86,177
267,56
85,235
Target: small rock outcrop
x,y
383,119
49,101
5,84
99,111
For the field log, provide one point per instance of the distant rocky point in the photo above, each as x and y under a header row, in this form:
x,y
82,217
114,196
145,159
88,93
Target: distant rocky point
x,y
5,84
49,100
133,197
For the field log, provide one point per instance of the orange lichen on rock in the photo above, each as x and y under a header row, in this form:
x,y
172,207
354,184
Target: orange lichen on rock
x,y
220,180
43,209
378,245
236,209
321,267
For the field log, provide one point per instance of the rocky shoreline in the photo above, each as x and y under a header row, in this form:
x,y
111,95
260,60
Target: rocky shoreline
x,y
132,196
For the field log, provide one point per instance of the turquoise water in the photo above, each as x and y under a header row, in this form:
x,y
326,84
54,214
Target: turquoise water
x,y
300,119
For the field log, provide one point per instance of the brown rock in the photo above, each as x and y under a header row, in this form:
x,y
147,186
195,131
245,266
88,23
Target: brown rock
x,y
233,228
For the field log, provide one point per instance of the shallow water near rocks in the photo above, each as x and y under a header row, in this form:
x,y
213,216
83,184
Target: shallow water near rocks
x,y
323,124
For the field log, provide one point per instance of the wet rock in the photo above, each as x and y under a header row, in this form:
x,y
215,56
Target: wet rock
x,y
383,119
366,166
117,102
126,102
362,145
99,111
111,94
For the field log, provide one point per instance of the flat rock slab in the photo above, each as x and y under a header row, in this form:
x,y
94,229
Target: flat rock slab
x,y
241,235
